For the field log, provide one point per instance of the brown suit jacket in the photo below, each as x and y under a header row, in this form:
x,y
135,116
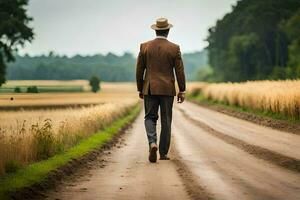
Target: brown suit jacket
x,y
156,62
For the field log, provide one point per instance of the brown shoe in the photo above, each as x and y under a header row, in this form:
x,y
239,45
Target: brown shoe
x,y
164,157
152,153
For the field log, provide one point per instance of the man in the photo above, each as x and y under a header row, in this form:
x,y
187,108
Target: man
x,y
155,79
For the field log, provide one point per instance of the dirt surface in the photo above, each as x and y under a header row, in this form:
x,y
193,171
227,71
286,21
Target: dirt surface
x,y
125,174
277,141
264,121
260,152
227,171
203,165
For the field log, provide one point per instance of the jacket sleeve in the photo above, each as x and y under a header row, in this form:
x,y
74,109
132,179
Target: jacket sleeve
x,y
140,69
179,71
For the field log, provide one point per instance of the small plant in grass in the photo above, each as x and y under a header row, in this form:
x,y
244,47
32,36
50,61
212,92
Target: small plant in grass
x,y
44,140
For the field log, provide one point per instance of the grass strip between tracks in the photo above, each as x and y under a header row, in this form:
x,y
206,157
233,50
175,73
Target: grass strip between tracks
x,y
39,171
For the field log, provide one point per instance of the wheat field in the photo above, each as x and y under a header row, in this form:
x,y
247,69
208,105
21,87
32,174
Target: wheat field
x,y
282,97
109,92
31,135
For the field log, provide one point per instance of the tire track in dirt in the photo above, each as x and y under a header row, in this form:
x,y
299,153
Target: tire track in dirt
x,y
127,175
260,152
226,171
276,124
193,188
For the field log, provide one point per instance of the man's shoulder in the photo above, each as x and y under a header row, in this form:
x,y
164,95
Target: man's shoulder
x,y
167,42
146,43
173,44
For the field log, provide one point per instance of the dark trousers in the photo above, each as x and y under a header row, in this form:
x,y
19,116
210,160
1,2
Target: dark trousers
x,y
151,104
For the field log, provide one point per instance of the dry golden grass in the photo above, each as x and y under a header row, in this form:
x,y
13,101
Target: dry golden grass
x,y
31,135
195,85
281,97
109,92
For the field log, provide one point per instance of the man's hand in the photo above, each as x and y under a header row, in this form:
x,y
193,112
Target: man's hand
x,y
141,95
180,97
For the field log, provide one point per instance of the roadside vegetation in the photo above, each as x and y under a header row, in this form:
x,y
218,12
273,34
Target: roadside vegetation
x,y
44,131
30,136
34,127
277,99
37,172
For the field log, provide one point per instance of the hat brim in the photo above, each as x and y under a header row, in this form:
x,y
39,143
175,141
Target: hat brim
x,y
154,27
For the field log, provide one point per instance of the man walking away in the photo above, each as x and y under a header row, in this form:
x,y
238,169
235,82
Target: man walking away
x,y
155,79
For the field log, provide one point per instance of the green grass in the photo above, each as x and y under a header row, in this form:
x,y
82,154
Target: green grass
x,y
44,88
37,172
200,98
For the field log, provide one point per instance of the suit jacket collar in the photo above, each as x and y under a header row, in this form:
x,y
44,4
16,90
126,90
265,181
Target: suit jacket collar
x,y
161,37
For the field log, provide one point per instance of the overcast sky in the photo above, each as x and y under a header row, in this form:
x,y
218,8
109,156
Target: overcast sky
x,y
100,26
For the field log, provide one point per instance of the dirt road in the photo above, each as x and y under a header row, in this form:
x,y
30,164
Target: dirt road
x,y
214,157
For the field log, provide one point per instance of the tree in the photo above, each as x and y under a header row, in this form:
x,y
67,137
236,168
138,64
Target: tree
x,y
14,31
17,90
95,83
248,43
32,89
292,29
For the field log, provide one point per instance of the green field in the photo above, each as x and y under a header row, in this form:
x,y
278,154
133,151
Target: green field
x,y
44,88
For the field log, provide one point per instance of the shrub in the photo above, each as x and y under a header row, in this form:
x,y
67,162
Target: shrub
x,y
95,83
17,89
32,89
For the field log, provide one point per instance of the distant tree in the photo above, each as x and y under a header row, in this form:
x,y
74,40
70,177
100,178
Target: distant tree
x,y
32,89
14,31
95,83
17,89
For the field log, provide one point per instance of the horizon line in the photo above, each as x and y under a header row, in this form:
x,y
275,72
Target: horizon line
x,y
55,54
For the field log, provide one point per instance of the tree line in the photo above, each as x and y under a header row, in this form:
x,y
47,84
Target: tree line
x,y
52,67
257,40
108,67
15,30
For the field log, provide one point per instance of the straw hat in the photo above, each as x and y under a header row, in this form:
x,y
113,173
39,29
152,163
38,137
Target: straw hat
x,y
161,24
